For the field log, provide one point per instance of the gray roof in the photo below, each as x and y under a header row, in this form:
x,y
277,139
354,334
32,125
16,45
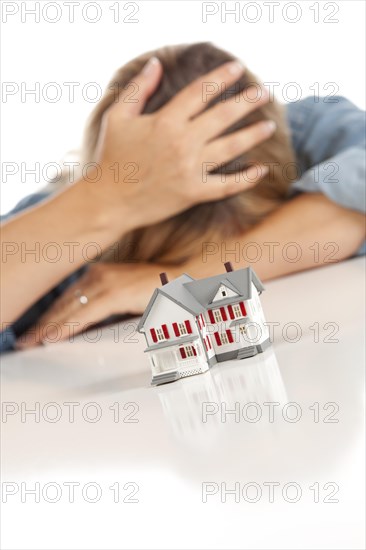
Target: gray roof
x,y
196,295
240,321
177,342
176,291
204,290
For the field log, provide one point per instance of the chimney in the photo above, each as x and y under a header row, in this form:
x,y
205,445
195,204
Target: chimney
x,y
228,266
163,278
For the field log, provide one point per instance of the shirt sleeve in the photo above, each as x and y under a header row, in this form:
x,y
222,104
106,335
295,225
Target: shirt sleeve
x,y
328,136
10,332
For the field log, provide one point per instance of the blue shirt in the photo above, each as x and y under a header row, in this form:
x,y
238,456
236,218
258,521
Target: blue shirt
x,y
329,142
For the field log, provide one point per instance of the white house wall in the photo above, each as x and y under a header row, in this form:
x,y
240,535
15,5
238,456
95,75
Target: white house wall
x,y
205,333
260,332
257,332
220,327
166,312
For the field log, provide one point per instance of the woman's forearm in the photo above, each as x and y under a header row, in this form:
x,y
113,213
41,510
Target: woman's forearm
x,y
46,243
321,231
308,231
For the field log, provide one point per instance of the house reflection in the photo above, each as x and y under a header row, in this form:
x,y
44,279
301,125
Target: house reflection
x,y
198,408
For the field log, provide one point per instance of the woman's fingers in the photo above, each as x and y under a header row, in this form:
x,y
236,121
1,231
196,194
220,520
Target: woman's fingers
x,y
78,296
80,320
73,297
222,186
132,99
229,147
65,323
104,290
194,98
221,116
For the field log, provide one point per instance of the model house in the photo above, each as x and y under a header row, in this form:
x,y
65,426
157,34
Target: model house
x,y
190,325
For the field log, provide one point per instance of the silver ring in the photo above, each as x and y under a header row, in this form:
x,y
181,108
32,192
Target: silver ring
x,y
81,297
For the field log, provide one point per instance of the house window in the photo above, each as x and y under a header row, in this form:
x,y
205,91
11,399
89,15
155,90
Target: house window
x,y
159,334
187,352
182,329
237,311
224,339
217,315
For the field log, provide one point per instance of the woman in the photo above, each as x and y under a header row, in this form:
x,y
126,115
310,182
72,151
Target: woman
x,y
258,215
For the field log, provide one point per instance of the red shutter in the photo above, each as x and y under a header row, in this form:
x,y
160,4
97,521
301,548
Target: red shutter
x,y
165,331
230,336
223,313
199,322
204,341
182,353
212,318
209,342
188,327
176,329
153,335
218,339
194,350
242,308
203,320
231,312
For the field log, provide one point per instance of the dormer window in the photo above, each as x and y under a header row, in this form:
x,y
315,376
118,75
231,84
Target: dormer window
x,y
223,292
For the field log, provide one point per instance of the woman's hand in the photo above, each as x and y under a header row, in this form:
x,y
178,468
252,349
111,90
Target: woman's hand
x,y
106,289
156,165
169,148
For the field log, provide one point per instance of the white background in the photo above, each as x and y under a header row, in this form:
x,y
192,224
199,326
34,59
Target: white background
x,y
305,51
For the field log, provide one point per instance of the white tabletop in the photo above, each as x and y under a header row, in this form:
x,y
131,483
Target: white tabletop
x,y
157,445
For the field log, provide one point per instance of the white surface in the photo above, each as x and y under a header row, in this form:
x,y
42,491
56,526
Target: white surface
x,y
170,452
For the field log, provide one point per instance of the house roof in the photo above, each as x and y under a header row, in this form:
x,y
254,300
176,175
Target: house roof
x,y
176,342
176,291
196,295
204,290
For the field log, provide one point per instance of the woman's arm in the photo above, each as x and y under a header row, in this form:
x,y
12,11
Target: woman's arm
x,y
328,136
44,244
310,225
169,149
306,232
